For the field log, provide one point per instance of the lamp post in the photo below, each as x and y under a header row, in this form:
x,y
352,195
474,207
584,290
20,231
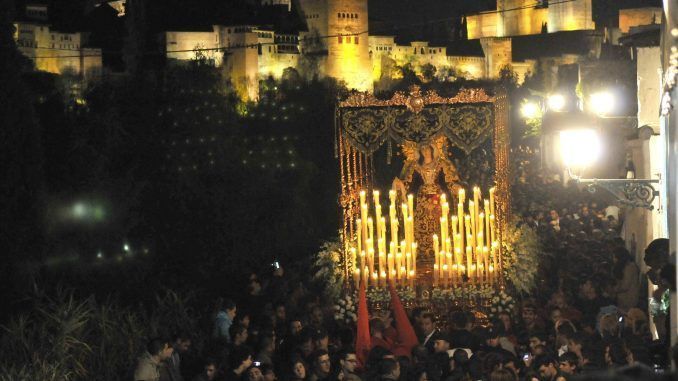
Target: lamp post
x,y
580,148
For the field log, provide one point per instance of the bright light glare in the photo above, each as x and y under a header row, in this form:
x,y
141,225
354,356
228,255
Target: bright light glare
x,y
529,110
79,210
125,247
556,102
579,148
602,103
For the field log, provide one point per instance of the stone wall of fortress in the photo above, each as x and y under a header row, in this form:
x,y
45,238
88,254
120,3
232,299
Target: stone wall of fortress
x,y
521,18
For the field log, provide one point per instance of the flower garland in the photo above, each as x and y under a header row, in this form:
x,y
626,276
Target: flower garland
x,y
520,256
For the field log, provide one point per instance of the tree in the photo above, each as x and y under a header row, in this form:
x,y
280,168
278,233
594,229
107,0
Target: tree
x,y
428,72
21,157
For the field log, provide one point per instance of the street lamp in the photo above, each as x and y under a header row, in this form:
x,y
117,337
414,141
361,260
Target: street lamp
x,y
580,148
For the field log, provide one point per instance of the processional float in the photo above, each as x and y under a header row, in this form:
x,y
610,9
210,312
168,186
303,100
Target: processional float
x,y
434,228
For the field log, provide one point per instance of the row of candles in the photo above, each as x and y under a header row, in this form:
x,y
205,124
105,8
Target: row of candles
x,y
379,257
467,245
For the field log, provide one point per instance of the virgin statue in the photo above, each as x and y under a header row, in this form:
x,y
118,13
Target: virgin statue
x,y
428,162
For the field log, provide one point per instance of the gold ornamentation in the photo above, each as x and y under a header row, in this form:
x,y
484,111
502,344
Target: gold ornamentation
x,y
365,99
415,102
477,116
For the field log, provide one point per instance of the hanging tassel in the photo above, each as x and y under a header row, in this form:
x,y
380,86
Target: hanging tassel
x,y
389,152
336,133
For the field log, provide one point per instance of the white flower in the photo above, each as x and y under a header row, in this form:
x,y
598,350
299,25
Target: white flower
x,y
337,317
336,308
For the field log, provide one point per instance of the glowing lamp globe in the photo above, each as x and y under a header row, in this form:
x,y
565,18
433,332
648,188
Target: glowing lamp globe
x,y
602,103
579,148
529,110
556,102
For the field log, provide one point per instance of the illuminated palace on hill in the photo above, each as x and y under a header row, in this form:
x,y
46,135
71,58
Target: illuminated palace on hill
x,y
335,41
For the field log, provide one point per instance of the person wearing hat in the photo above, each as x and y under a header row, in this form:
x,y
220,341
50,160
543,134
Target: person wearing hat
x,y
491,344
441,342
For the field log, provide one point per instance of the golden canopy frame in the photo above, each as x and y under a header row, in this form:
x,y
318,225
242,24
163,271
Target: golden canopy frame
x,y
377,125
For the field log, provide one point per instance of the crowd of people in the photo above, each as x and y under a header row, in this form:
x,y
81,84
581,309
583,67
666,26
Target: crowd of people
x,y
296,338
588,318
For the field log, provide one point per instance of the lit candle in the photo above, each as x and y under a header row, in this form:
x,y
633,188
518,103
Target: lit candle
x,y
366,276
486,261
460,217
492,190
362,259
488,242
445,275
359,231
356,278
382,262
435,274
479,263
472,213
392,196
391,256
414,257
411,275
468,263
448,263
410,203
481,226
383,230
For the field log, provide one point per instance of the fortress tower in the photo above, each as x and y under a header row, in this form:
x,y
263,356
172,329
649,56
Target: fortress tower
x,y
339,28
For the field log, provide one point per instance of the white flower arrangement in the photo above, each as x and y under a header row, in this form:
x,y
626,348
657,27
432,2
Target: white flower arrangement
x,y
378,295
463,292
345,310
502,302
406,294
439,295
327,269
520,256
